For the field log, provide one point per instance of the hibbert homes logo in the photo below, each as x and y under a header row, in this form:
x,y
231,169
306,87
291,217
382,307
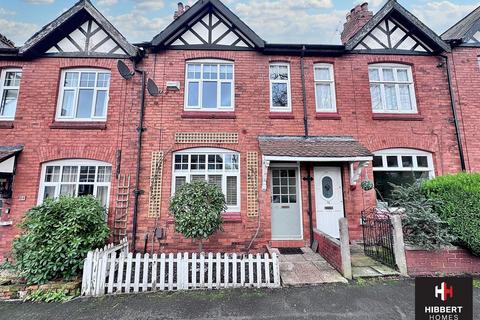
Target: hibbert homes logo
x,y
444,299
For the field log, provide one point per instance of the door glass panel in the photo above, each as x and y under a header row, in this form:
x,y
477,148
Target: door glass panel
x,y
327,187
284,189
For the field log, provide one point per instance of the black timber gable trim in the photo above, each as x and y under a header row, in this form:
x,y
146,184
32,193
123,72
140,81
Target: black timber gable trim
x,y
66,23
394,10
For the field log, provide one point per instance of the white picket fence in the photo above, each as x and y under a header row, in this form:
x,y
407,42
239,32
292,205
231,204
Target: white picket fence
x,y
125,273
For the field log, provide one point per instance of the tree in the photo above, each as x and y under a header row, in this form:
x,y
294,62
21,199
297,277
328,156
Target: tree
x,y
197,208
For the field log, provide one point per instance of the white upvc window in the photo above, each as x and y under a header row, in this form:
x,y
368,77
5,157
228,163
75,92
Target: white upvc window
x,y
76,178
399,167
325,87
9,89
209,85
392,89
280,95
84,95
216,166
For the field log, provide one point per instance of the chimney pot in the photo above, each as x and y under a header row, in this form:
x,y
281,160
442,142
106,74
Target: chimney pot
x,y
355,20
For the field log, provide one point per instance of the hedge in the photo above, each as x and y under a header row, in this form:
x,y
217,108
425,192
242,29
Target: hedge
x,y
459,206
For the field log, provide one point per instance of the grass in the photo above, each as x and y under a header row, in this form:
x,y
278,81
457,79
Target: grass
x,y
476,283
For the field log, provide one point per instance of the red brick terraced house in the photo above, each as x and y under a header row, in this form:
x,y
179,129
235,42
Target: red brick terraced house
x,y
287,131
464,66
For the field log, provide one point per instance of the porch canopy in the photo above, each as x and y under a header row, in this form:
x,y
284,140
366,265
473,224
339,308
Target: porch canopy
x,y
7,158
314,149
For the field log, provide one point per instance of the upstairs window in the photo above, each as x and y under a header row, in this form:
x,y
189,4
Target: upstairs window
x,y
399,167
215,166
9,88
76,178
209,86
280,99
84,95
324,88
391,88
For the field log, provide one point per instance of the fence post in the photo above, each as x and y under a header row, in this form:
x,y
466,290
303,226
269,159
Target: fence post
x,y
399,245
345,249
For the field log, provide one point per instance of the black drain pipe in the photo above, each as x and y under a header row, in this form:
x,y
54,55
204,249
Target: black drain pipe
x,y
309,177
137,192
455,115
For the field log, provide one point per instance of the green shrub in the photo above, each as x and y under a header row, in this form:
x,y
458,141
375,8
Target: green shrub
x,y
197,208
459,206
56,237
422,226
50,295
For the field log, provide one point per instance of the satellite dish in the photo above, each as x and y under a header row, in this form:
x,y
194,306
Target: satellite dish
x,y
124,70
152,88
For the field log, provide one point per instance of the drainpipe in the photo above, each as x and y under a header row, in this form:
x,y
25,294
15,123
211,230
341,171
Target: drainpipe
x,y
137,192
309,177
455,116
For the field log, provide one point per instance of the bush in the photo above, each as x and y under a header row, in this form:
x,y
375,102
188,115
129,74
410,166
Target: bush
x,y
57,236
197,208
422,226
459,206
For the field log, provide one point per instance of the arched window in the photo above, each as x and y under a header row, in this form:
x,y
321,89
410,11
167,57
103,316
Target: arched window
x,y
209,85
216,166
75,178
391,88
84,95
399,167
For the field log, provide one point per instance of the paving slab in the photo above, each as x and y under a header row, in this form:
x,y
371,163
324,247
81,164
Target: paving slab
x,y
365,272
385,271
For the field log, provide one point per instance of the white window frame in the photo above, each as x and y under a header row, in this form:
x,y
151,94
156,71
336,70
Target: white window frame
x,y
382,83
219,81
331,82
399,152
3,87
288,108
92,117
77,163
224,173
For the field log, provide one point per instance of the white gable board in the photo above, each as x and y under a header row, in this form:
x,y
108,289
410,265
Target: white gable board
x,y
391,35
212,29
88,38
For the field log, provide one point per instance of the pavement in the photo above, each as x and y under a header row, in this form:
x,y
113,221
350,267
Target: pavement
x,y
366,267
308,268
362,300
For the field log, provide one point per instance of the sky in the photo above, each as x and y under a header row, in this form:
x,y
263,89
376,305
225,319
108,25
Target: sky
x,y
276,21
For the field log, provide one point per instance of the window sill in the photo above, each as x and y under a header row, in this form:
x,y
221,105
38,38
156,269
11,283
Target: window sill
x,y
328,116
397,116
6,124
208,115
231,217
281,115
78,125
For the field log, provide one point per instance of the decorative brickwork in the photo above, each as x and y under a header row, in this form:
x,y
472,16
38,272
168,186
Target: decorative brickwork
x,y
156,175
252,184
206,138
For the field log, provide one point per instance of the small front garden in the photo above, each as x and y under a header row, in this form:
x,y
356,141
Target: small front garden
x,y
441,212
48,255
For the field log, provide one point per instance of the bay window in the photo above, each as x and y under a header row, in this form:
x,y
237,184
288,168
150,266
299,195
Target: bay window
x,y
399,167
324,88
280,96
209,86
84,95
76,178
216,166
392,89
9,88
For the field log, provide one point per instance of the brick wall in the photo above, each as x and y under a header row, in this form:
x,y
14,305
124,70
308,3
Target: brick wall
x,y
446,261
33,127
465,72
329,249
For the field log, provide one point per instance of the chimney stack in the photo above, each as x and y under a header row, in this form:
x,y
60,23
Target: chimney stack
x,y
356,19
181,10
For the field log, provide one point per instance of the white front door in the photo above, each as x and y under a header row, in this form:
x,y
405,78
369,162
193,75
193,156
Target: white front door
x,y
286,215
329,199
